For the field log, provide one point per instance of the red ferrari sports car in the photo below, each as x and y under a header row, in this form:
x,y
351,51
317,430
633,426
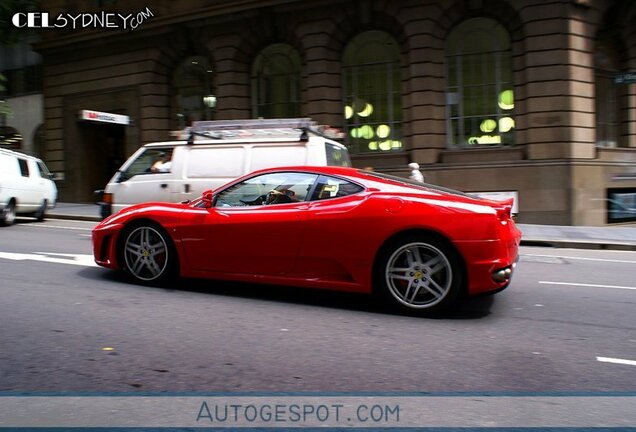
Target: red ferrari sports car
x,y
418,245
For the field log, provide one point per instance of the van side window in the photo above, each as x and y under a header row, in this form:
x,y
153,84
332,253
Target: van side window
x,y
24,167
330,187
337,156
151,157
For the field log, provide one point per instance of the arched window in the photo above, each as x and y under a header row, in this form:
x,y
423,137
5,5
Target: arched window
x,y
193,91
372,93
276,82
479,95
10,138
606,93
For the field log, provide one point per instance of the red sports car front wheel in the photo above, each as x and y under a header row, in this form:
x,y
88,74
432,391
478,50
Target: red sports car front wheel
x,y
148,255
417,273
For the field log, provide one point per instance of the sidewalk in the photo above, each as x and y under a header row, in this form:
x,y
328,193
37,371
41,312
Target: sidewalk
x,y
75,211
581,237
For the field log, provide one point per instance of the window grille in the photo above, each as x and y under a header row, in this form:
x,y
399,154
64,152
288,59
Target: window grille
x,y
479,95
193,97
276,82
372,93
606,95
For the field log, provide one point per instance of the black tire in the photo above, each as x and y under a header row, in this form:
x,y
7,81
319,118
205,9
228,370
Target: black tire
x,y
7,215
419,274
41,211
147,254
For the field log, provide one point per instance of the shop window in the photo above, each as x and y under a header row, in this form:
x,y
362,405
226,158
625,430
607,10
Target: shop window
x,y
621,205
606,94
372,92
479,95
276,82
193,96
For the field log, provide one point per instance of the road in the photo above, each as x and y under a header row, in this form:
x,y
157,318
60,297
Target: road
x,y
567,323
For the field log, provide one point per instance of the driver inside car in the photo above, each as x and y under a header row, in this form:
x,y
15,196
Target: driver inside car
x,y
280,197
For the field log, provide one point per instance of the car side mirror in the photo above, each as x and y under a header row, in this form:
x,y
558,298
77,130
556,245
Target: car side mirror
x,y
208,199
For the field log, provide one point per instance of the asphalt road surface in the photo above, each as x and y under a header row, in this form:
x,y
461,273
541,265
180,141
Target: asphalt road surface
x,y
567,323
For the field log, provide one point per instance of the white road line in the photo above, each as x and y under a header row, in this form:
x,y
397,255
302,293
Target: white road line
x,y
581,258
616,360
587,285
72,259
61,227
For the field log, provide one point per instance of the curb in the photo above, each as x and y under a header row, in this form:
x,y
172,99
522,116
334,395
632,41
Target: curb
x,y
574,244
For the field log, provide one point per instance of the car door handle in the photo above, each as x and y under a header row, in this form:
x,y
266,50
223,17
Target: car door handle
x,y
163,185
186,188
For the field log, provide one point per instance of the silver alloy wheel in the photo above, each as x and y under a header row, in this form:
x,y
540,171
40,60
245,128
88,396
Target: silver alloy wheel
x,y
418,275
146,253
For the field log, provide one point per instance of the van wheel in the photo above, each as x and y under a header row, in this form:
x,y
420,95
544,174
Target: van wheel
x,y
148,254
39,214
7,217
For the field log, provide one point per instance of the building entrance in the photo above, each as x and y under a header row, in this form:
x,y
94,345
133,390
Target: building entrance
x,y
105,150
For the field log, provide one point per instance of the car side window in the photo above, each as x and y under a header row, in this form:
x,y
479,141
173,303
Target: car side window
x,y
268,189
331,187
24,167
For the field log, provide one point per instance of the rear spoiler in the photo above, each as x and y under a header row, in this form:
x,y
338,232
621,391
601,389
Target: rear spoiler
x,y
504,208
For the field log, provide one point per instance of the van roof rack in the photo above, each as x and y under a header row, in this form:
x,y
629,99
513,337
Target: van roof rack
x,y
260,128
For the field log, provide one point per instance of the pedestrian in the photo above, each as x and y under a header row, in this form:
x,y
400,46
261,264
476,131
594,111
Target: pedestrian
x,y
415,172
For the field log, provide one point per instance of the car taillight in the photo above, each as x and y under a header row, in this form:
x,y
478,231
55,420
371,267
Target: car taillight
x,y
504,210
107,198
504,213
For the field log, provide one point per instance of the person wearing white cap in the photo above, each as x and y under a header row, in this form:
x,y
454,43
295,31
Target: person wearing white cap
x,y
415,172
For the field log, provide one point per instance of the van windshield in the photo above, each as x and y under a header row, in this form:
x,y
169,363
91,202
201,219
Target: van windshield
x,y
44,171
145,161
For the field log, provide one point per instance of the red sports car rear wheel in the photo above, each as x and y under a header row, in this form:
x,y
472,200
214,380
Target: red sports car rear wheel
x,y
419,274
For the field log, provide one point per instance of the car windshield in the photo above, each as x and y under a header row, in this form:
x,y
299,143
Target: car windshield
x,y
44,172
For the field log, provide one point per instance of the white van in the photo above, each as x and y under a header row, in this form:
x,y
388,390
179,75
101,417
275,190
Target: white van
x,y
25,187
214,153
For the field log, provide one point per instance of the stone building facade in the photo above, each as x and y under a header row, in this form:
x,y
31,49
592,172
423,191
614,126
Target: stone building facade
x,y
529,97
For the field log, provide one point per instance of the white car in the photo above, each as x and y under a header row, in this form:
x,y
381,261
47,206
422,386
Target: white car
x,y
213,153
25,187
